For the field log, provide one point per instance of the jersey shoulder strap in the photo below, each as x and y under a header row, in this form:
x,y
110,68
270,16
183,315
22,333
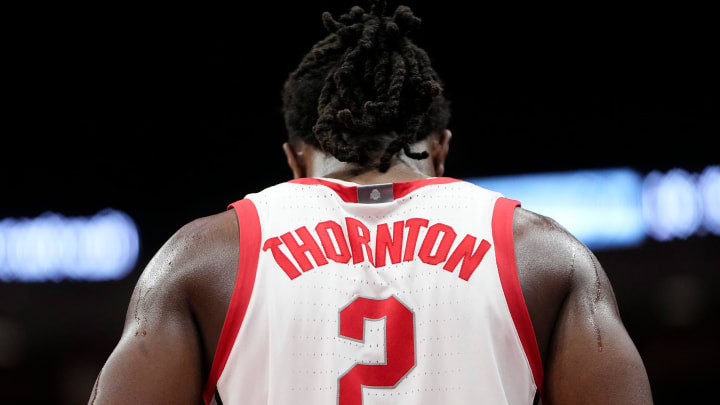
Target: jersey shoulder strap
x,y
250,237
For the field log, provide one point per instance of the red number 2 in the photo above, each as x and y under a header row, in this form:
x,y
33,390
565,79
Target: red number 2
x,y
399,346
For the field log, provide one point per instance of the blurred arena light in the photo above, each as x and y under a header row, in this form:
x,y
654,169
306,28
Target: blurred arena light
x,y
619,207
672,205
709,185
53,247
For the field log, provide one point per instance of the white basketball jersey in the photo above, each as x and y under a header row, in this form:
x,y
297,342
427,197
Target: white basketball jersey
x,y
400,293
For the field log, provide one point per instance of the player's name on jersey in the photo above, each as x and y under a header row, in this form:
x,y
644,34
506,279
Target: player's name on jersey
x,y
332,242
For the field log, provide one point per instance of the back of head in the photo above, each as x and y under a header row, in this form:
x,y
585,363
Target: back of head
x,y
366,91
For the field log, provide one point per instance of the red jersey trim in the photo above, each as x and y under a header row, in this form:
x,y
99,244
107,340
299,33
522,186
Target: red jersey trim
x,y
349,193
502,230
250,236
403,188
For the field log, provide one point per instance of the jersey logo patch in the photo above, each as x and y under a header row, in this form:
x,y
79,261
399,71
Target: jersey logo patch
x,y
375,193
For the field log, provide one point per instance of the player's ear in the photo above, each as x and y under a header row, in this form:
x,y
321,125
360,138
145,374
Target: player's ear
x,y
439,148
296,159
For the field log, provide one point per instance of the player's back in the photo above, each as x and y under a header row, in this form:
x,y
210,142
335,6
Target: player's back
x,y
379,294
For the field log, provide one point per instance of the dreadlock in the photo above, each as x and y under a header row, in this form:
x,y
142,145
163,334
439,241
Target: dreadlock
x,y
366,90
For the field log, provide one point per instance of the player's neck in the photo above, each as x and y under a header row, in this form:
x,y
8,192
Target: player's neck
x,y
306,160
402,169
396,173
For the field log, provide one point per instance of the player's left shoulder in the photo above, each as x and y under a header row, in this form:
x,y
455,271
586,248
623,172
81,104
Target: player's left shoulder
x,y
194,261
210,234
206,250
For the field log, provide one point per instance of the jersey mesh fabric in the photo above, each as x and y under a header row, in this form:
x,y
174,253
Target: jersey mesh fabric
x,y
424,327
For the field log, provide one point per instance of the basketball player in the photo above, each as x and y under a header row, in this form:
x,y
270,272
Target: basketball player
x,y
370,278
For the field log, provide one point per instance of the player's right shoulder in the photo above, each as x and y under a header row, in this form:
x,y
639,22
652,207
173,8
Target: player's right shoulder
x,y
544,252
543,247
551,255
554,269
575,317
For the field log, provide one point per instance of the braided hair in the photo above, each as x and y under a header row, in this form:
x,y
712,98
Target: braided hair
x,y
365,92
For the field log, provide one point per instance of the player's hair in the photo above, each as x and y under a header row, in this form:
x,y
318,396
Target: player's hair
x,y
365,92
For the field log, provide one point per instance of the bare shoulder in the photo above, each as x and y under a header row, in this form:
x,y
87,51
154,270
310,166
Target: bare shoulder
x,y
587,354
174,318
197,252
547,253
553,264
191,275
202,248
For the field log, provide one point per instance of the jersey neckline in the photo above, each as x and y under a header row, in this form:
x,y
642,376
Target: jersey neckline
x,y
351,192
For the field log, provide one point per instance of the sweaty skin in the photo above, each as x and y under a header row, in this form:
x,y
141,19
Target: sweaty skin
x,y
178,307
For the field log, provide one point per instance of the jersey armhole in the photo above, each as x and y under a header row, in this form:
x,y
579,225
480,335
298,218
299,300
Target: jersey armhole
x,y
502,230
248,254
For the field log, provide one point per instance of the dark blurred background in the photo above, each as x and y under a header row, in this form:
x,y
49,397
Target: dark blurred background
x,y
170,114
